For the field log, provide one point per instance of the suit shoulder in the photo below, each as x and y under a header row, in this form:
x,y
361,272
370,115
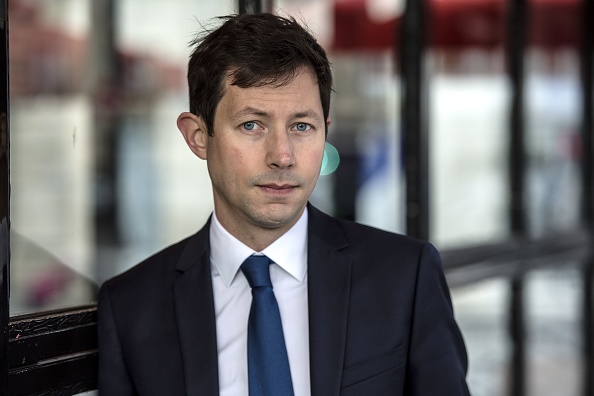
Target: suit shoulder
x,y
153,268
358,233
339,232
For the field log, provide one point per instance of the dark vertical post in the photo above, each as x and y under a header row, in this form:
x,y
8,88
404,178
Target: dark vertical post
x,y
516,44
4,197
516,48
106,87
517,326
586,53
249,6
588,328
414,118
587,66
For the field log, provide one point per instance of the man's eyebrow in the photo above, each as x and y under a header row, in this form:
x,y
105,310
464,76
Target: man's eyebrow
x,y
248,111
253,111
308,114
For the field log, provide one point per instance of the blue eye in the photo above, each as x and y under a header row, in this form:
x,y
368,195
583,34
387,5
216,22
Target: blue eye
x,y
250,125
302,127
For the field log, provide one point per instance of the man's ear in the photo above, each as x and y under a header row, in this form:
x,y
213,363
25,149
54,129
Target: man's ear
x,y
194,131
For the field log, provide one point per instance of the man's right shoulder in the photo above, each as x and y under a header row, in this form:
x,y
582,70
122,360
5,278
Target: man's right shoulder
x,y
160,261
163,266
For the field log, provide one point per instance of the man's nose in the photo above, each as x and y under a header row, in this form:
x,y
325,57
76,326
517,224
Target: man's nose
x,y
280,150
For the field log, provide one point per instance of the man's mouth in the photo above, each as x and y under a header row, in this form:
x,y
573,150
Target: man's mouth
x,y
277,188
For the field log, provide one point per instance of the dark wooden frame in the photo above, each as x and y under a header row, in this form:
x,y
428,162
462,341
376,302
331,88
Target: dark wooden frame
x,y
53,353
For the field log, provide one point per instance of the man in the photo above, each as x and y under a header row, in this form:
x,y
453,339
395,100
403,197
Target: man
x,y
360,311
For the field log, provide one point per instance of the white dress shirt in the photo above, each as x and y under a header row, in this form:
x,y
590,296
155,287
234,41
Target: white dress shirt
x,y
233,298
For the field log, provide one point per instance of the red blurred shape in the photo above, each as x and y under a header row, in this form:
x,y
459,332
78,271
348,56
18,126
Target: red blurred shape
x,y
459,24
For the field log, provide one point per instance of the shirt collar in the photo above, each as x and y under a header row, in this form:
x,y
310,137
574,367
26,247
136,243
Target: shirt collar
x,y
289,251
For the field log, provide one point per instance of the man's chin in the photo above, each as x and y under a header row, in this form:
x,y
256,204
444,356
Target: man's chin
x,y
278,217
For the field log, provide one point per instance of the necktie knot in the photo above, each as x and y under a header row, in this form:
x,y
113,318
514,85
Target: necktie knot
x,y
257,271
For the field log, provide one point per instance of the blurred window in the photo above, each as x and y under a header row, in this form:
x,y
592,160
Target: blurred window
x,y
52,247
101,178
553,116
468,122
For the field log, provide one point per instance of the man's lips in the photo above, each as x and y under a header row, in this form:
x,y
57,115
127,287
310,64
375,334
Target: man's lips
x,y
277,188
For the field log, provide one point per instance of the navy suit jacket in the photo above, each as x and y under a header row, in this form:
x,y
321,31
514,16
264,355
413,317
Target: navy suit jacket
x,y
380,319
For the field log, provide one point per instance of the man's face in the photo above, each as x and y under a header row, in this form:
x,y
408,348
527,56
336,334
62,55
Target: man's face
x,y
265,156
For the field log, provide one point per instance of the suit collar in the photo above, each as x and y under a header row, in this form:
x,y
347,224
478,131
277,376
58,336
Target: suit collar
x,y
329,278
194,311
196,246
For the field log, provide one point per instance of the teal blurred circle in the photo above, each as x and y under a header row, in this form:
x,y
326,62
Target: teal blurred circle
x,y
330,161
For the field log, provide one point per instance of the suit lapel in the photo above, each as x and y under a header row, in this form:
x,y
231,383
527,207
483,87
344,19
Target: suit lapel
x,y
194,310
329,276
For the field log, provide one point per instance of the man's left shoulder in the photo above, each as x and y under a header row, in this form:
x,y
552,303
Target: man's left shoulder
x,y
360,234
365,233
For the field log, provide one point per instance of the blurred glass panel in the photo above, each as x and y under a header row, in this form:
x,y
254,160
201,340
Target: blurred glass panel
x,y
553,116
555,350
51,156
481,312
553,338
61,107
468,110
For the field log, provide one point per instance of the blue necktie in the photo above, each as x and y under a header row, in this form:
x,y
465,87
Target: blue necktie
x,y
268,365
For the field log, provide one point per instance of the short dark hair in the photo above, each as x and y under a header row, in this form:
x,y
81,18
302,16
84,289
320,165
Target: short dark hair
x,y
253,50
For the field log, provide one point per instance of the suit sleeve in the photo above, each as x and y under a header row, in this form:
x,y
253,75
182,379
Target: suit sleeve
x,y
114,378
437,355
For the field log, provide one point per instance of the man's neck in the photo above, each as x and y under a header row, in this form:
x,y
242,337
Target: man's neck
x,y
257,237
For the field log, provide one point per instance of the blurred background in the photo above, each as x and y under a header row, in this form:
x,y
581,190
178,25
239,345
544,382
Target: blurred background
x,y
101,177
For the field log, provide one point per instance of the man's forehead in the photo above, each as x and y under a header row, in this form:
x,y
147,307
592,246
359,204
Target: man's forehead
x,y
247,79
299,96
